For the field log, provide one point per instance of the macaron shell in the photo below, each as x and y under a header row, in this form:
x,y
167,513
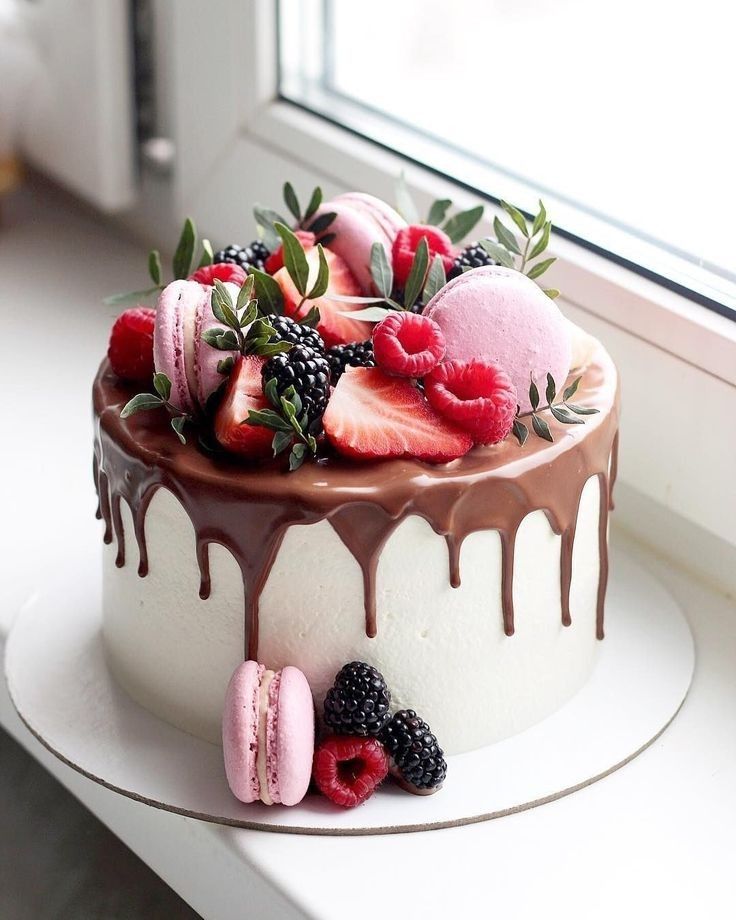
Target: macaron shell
x,y
177,300
498,314
240,731
291,746
206,378
386,217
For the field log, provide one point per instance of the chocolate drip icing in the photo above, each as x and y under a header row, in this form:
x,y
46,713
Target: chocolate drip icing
x,y
248,510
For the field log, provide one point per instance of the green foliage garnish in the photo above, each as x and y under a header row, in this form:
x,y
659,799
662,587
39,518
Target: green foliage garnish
x,y
142,402
535,239
564,411
288,422
246,331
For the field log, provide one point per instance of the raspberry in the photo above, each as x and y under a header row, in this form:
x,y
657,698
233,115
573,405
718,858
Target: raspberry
x,y
477,396
223,271
406,243
347,770
131,344
276,260
408,344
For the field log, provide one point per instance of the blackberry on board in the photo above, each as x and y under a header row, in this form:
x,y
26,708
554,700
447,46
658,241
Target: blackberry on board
x,y
252,256
473,256
354,354
308,371
358,702
289,330
417,760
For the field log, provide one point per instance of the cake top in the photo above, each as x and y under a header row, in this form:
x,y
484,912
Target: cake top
x,y
348,335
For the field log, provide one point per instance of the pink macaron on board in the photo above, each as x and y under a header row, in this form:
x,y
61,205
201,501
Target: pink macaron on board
x,y
497,314
268,734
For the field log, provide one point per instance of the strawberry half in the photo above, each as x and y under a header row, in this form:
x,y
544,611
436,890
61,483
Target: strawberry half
x,y
334,328
244,391
372,416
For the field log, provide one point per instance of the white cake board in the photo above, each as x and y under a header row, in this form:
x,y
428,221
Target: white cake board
x,y
63,691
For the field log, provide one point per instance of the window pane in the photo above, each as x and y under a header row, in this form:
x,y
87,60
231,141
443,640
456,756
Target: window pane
x,y
618,113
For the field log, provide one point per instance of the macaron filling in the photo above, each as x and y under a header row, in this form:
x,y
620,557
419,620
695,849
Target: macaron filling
x,y
262,766
272,748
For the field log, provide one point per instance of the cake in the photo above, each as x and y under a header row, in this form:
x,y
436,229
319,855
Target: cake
x,y
439,510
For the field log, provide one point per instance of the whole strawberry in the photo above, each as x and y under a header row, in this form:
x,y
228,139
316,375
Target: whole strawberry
x,y
131,344
406,244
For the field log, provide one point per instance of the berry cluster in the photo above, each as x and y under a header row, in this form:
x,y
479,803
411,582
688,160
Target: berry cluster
x,y
369,742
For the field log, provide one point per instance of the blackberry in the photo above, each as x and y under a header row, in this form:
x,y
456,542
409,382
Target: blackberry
x,y
355,354
357,703
308,372
253,256
416,759
288,330
471,257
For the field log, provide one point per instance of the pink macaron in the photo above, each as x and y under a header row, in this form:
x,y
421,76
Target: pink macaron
x,y
497,314
268,734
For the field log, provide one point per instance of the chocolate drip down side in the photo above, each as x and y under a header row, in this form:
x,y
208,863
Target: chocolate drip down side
x,y
249,509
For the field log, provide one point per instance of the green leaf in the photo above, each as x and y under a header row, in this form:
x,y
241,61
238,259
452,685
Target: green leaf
x,y
222,339
292,202
128,297
312,318
438,211
294,258
436,279
271,391
162,385
319,288
541,428
562,415
417,273
225,365
208,256
222,305
281,440
266,218
297,455
270,348
140,403
459,226
154,266
178,424
248,318
381,270
552,293
543,241
517,217
287,406
582,410
404,202
184,255
320,224
498,252
268,292
245,294
505,237
540,219
572,389
368,315
551,390
533,395
314,202
267,418
520,431
540,268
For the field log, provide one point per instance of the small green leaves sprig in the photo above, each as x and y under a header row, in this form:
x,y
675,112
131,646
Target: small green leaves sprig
x,y
159,400
182,265
267,218
456,227
564,411
507,246
288,422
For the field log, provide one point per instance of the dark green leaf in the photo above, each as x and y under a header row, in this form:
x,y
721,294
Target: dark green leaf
x,y
540,268
128,297
287,406
369,314
520,431
417,274
321,223
533,395
292,202
222,305
498,252
517,217
294,258
562,415
225,365
552,293
296,457
154,266
312,318
327,238
381,270
162,385
436,279
572,389
208,256
505,237
460,225
312,443
268,349
140,403
268,292
267,418
178,424
319,288
281,440
438,211
581,410
245,294
540,219
541,428
184,255
222,339
543,241
314,202
551,390
404,202
266,218
271,391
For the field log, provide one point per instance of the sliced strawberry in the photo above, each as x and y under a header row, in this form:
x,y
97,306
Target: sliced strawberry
x,y
372,416
244,392
276,260
334,328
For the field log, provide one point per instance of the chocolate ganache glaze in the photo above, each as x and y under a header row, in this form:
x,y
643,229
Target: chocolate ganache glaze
x,y
248,509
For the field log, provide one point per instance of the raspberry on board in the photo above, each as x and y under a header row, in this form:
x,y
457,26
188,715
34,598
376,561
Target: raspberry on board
x,y
408,344
348,769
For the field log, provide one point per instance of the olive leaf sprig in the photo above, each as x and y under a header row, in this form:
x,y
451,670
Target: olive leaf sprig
x,y
160,400
563,410
289,423
456,227
267,218
182,265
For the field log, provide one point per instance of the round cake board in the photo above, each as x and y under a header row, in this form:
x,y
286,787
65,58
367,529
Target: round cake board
x,y
63,691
